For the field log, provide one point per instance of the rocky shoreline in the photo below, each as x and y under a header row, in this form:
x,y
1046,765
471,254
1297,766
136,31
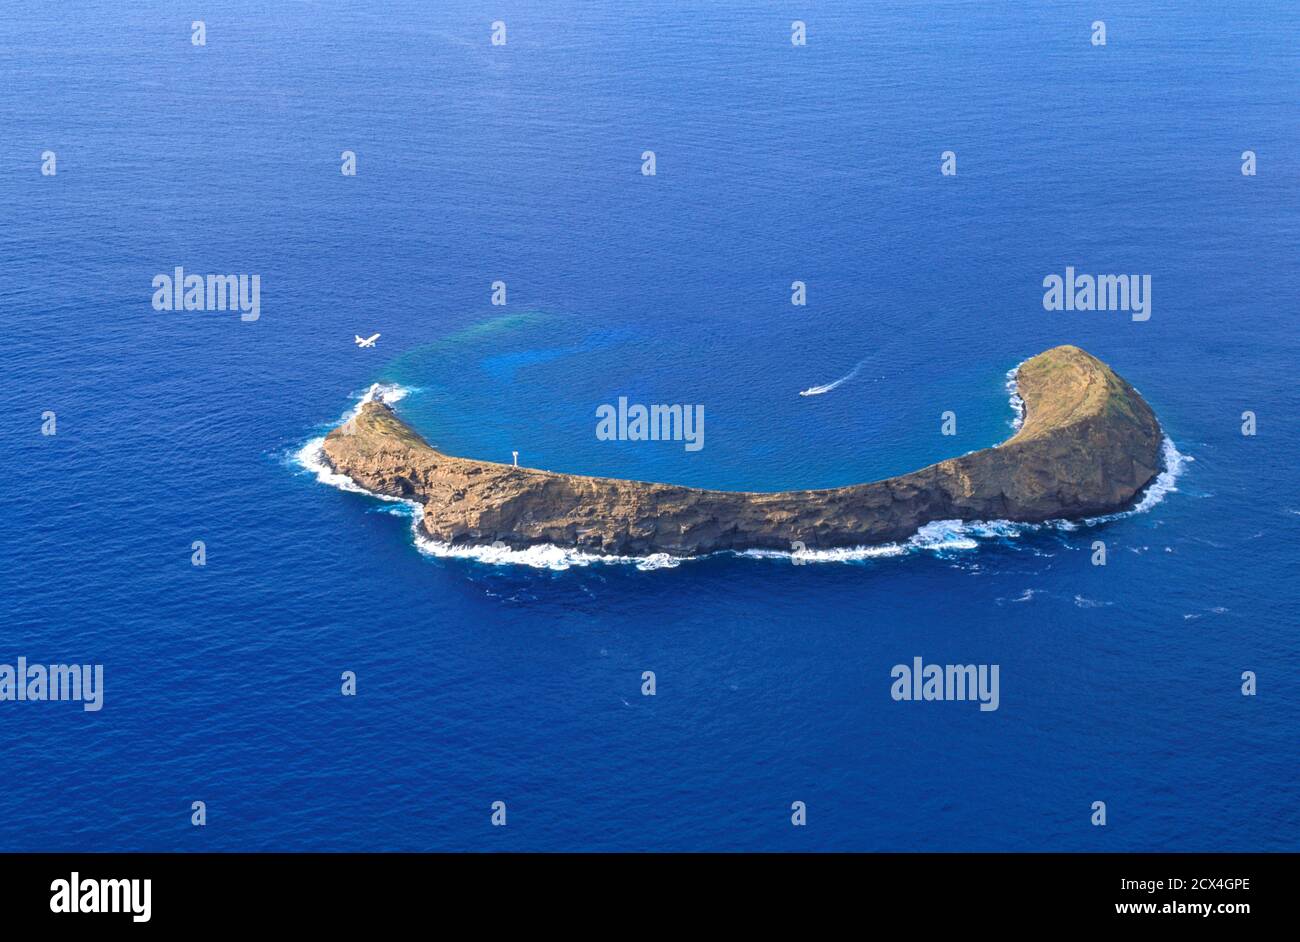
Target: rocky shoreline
x,y
1088,445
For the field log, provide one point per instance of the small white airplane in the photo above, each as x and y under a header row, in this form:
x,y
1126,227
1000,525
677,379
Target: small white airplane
x,y
368,342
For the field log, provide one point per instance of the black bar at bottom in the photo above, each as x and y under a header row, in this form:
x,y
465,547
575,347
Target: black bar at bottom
x,y
333,891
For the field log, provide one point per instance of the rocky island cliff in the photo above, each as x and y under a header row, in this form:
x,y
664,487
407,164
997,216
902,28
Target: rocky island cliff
x,y
1088,446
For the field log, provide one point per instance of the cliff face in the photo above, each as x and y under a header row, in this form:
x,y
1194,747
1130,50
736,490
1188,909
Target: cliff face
x,y
1089,444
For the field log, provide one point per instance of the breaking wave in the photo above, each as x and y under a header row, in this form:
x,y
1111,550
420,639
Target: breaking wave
x,y
311,456
1166,482
381,392
542,556
1017,404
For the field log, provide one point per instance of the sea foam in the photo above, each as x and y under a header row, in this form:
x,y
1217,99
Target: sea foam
x,y
311,456
1017,404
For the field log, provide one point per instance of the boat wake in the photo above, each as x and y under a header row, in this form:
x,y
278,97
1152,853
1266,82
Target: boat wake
x,y
821,390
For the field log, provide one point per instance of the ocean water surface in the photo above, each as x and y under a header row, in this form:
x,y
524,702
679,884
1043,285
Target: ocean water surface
x,y
484,679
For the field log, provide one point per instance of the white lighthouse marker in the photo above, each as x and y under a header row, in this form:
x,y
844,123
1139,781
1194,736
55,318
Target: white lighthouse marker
x,y
516,456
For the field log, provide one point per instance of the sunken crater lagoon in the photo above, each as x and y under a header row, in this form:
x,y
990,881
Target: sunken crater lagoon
x,y
1088,446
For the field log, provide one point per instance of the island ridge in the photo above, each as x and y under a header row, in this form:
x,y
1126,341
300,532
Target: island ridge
x,y
1089,444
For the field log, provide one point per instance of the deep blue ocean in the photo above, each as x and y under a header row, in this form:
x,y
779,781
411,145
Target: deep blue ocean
x,y
480,682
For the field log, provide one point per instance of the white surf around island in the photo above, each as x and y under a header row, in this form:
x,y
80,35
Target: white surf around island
x,y
1017,404
938,536
311,458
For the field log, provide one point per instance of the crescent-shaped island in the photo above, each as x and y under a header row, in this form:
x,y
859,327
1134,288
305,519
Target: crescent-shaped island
x,y
1088,446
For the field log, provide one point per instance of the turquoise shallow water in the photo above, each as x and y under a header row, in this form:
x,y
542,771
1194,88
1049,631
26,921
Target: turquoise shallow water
x,y
534,381
480,683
